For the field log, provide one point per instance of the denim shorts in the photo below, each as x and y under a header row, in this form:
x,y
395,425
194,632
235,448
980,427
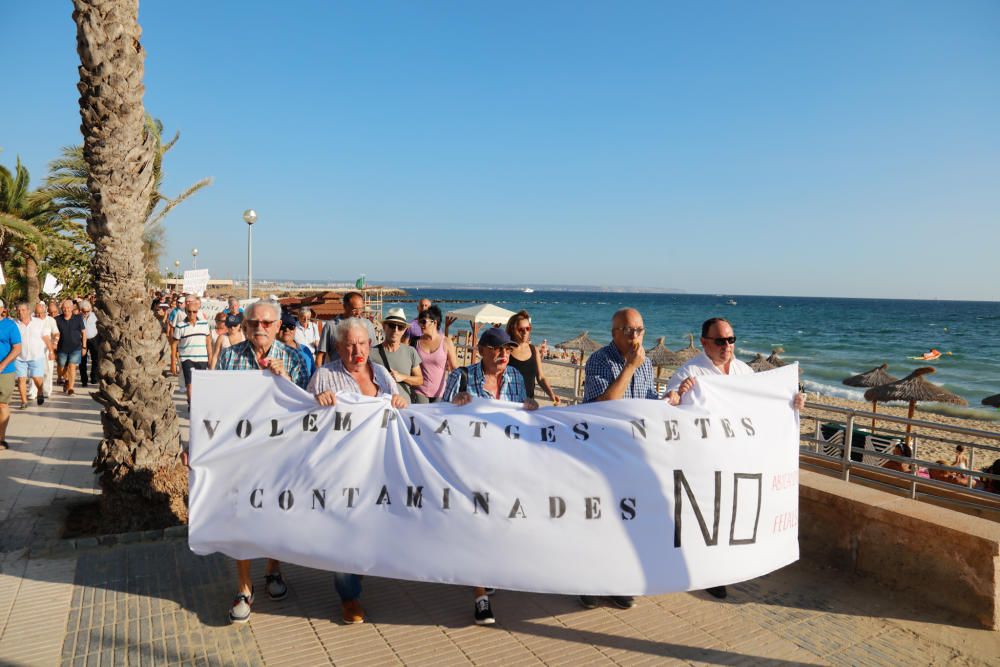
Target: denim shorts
x,y
34,368
66,358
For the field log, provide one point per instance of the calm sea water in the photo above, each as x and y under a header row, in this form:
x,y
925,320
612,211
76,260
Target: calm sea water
x,y
830,338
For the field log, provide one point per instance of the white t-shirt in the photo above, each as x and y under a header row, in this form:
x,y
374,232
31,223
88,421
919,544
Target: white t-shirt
x,y
701,366
51,328
90,324
32,345
308,335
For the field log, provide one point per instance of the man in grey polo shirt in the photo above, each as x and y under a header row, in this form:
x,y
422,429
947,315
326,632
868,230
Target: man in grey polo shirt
x,y
401,360
354,306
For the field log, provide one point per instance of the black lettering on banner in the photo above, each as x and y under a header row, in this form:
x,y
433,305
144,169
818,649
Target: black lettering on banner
x,y
387,416
480,499
210,427
580,431
516,509
681,481
640,426
342,421
414,496
443,428
351,492
748,426
703,422
243,428
414,429
557,507
286,499
593,505
671,429
383,496
256,501
309,423
320,496
276,430
513,431
548,434
736,493
446,499
627,506
477,428
730,433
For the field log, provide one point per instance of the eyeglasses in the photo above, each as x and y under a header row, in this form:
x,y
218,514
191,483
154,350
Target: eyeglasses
x,y
261,323
494,348
427,320
632,331
393,325
731,340
523,329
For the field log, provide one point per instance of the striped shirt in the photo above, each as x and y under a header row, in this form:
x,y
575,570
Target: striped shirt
x,y
192,341
242,357
334,377
511,385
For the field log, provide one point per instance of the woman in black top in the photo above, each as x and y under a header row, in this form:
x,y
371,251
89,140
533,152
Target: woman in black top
x,y
525,357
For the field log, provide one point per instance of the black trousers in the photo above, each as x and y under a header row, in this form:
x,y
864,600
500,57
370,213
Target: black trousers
x,y
93,356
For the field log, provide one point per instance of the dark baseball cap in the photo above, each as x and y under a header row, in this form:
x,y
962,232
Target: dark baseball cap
x,y
234,320
496,337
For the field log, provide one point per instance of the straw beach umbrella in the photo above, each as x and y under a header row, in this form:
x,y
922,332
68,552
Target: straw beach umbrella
x,y
584,343
759,364
775,360
661,357
690,351
992,401
876,377
913,388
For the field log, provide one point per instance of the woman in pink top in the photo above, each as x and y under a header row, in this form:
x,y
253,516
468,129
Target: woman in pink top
x,y
437,357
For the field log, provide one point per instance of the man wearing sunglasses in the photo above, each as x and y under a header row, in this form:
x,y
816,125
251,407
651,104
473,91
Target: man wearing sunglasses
x,y
718,344
401,360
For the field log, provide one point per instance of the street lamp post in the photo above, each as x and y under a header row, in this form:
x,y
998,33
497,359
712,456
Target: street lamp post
x,y
249,217
177,270
194,260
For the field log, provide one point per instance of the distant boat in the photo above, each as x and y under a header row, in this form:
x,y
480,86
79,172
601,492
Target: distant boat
x,y
528,290
731,302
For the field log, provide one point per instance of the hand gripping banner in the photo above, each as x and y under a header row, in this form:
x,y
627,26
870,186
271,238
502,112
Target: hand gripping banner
x,y
629,497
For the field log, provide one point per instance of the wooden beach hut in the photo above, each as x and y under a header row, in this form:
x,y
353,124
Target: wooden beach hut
x,y
913,388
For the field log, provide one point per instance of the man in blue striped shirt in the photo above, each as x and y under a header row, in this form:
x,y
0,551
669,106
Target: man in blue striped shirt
x,y
194,341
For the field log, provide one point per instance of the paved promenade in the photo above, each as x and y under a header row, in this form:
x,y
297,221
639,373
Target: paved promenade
x,y
154,602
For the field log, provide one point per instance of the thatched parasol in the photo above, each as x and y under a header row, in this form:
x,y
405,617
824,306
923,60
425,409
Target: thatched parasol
x,y
661,357
775,360
992,401
760,364
688,352
876,377
913,388
584,343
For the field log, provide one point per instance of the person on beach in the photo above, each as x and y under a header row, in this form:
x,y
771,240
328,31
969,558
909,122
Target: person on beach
x,y
10,348
414,332
72,344
619,370
493,378
193,339
31,362
718,344
437,357
526,358
353,371
259,351
403,361
354,306
307,331
52,332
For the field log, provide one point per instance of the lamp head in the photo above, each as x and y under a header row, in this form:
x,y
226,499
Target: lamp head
x,y
250,216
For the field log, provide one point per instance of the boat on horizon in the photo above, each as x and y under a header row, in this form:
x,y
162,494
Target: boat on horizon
x,y
731,302
528,290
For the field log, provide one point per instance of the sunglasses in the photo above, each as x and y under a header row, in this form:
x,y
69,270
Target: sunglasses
x,y
393,325
426,320
731,340
261,323
523,329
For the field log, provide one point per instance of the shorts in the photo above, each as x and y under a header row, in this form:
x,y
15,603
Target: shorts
x,y
188,365
67,358
33,368
6,387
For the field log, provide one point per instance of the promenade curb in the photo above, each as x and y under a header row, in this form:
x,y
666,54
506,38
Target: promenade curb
x,y
66,548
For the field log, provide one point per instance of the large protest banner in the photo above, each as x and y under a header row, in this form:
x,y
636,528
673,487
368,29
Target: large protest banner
x,y
616,498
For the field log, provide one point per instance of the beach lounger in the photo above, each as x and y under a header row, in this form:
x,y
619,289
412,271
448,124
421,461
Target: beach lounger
x,y
834,444
874,443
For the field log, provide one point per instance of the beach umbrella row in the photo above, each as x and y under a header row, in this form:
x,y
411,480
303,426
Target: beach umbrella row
x,y
913,388
875,377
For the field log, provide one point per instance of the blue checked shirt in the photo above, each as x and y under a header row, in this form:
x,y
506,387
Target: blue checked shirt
x,y
605,365
241,357
511,386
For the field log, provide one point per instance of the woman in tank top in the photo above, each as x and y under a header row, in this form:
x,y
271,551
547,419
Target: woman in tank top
x,y
437,357
526,358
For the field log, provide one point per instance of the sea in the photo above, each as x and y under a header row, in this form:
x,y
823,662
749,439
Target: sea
x,y
830,338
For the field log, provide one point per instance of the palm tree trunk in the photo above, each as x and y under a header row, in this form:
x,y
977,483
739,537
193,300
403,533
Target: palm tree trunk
x,y
143,482
32,286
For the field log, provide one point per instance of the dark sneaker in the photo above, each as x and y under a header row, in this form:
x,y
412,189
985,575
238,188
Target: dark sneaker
x,y
490,591
276,588
484,614
717,592
41,400
623,601
240,611
588,601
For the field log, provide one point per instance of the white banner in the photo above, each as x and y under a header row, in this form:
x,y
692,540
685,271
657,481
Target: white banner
x,y
196,281
51,286
625,497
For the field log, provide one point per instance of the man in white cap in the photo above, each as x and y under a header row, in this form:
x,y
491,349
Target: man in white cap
x,y
402,361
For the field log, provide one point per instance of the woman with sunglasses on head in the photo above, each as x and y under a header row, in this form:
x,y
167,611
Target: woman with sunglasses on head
x,y
437,357
526,357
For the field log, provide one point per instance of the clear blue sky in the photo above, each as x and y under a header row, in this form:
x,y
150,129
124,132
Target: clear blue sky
x,y
800,148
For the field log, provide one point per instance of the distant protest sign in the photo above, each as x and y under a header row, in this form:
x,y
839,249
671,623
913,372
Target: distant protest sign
x,y
51,286
630,497
196,281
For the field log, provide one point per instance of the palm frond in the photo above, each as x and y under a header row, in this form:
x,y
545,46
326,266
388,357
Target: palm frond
x,y
171,203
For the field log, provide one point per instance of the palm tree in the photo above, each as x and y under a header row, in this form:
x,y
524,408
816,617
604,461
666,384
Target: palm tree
x,y
142,479
22,219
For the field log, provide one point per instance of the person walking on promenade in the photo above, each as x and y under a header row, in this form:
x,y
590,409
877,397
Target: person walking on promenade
x,y
718,344
193,337
72,344
52,332
437,357
526,358
492,378
354,306
10,348
353,371
233,334
619,370
233,307
403,361
414,332
287,336
260,350
307,331
31,362
93,339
